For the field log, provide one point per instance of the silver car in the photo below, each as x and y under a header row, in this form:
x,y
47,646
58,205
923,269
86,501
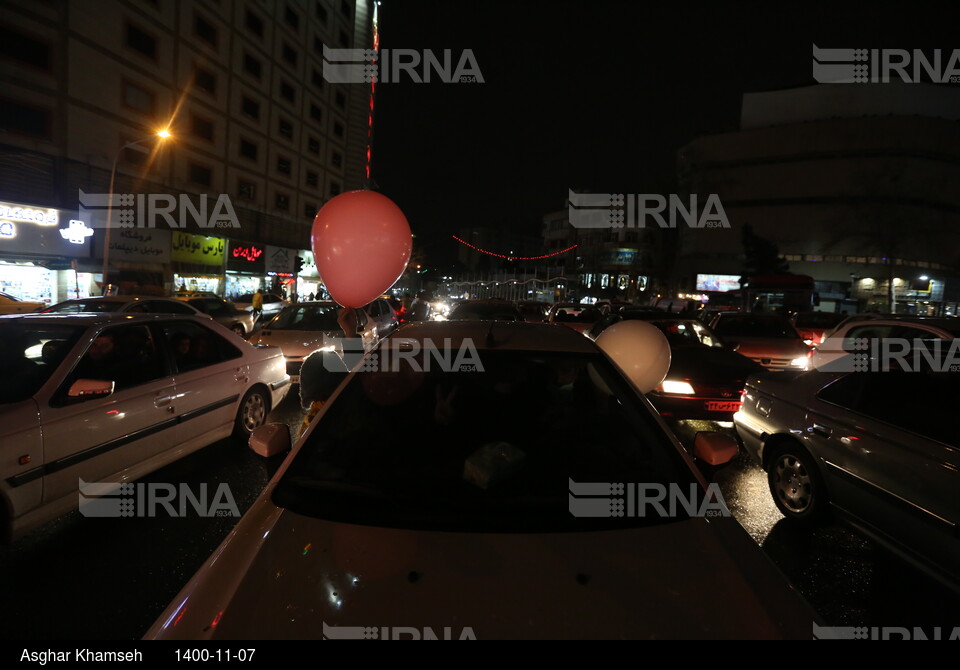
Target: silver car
x,y
225,313
881,448
305,327
127,304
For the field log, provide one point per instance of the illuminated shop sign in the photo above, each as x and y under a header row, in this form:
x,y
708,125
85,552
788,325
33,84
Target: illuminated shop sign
x,y
42,217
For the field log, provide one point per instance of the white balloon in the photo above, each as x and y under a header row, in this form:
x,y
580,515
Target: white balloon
x,y
640,350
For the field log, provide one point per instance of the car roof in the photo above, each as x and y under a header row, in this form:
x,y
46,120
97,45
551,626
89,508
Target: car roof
x,y
506,335
116,298
97,318
933,321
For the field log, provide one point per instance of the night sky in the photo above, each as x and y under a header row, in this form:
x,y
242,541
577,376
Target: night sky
x,y
592,96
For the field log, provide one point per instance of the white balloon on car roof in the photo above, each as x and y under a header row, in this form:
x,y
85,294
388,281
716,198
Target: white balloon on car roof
x,y
640,350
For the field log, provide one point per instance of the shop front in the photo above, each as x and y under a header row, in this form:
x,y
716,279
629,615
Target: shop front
x,y
308,279
198,263
246,269
281,269
44,254
140,260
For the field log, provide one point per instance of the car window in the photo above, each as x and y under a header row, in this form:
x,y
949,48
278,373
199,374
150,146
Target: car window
x,y
77,306
917,401
30,354
754,326
125,355
211,306
871,331
492,449
194,346
168,307
306,317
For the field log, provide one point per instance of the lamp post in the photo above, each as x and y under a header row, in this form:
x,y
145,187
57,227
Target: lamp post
x,y
162,135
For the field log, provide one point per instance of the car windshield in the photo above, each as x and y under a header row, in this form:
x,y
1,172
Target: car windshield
x,y
29,354
490,447
484,312
306,317
754,326
77,306
686,333
577,315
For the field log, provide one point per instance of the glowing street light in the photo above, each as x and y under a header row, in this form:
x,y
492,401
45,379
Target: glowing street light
x,y
163,135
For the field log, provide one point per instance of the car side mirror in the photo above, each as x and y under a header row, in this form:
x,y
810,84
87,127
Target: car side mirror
x,y
88,389
270,440
714,448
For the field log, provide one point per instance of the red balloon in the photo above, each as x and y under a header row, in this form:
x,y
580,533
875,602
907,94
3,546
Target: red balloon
x,y
361,245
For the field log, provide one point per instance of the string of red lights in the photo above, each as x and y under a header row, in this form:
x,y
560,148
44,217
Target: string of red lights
x,y
514,258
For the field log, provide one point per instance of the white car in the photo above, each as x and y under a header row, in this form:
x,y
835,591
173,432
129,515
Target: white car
x,y
113,397
491,515
128,304
305,327
841,342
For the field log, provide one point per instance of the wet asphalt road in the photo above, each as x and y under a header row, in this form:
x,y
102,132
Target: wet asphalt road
x,y
99,579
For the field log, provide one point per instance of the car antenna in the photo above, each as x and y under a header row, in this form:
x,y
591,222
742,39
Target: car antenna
x,y
489,343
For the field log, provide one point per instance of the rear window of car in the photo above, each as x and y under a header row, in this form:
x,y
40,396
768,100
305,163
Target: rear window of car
x,y
78,306
306,317
488,448
754,326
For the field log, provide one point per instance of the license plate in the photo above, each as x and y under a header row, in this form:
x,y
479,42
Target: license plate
x,y
722,406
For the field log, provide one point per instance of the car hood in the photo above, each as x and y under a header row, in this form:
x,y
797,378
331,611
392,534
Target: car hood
x,y
288,576
711,364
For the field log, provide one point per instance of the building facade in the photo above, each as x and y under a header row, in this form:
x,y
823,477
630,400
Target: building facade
x,y
854,184
260,140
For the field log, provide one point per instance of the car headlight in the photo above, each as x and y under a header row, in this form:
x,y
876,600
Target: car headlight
x,y
680,388
800,362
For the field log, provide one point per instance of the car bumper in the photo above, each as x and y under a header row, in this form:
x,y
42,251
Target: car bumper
x,y
707,409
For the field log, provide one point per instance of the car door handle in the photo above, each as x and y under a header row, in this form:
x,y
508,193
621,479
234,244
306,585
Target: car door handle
x,y
164,397
821,430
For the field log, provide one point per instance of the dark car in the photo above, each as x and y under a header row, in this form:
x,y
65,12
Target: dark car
x,y
485,310
706,377
533,311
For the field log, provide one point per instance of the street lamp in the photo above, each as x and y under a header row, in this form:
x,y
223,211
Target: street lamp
x,y
162,135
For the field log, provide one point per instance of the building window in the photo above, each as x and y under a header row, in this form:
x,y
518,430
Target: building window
x,y
344,39
285,128
312,178
316,79
136,155
141,41
321,13
313,145
205,30
315,113
318,46
24,119
345,9
201,175
247,190
205,80
340,99
248,150
291,17
338,129
139,99
252,65
287,92
19,47
250,107
336,159
310,210
283,165
334,188
282,201
289,54
254,24
201,127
